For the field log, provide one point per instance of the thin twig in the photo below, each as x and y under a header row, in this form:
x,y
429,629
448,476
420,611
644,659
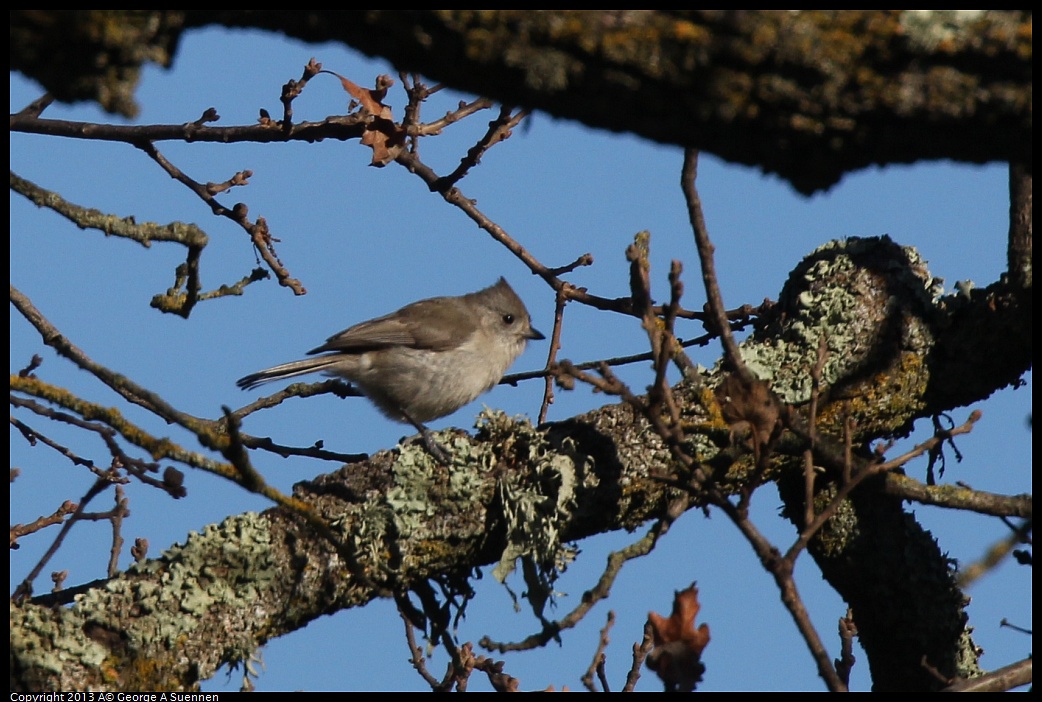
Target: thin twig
x,y
25,588
416,653
258,231
640,654
601,590
958,497
551,359
866,471
116,516
342,128
57,517
597,664
812,424
292,89
714,299
1001,680
847,632
514,378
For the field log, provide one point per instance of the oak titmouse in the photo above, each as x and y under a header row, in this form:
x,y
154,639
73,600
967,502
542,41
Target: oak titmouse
x,y
426,360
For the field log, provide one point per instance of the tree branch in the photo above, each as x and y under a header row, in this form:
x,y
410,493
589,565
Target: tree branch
x,y
814,84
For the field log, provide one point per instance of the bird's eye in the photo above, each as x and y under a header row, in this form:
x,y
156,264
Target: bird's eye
x,y
508,319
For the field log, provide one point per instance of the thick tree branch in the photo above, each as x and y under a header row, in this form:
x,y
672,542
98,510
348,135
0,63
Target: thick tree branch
x,y
827,91
1020,219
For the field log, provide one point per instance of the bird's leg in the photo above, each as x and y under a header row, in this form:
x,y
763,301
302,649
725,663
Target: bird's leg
x,y
436,450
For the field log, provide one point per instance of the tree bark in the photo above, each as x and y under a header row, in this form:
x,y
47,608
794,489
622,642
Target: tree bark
x,y
808,95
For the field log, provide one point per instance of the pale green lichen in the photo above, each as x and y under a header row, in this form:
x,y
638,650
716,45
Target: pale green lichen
x,y
844,292
185,580
967,655
532,502
41,640
835,536
535,503
190,582
416,474
927,29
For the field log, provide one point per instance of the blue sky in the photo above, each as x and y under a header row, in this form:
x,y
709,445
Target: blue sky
x,y
365,241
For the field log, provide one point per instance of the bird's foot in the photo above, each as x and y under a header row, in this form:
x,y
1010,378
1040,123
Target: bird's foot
x,y
436,450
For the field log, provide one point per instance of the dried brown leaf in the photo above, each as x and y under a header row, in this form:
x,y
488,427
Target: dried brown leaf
x,y
677,653
383,135
751,406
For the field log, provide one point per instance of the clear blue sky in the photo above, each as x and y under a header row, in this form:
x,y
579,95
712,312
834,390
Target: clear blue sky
x,y
365,241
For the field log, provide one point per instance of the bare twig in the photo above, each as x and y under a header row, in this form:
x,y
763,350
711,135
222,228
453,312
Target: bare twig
x,y
551,359
292,89
116,516
812,421
57,517
585,260
465,109
143,233
25,588
847,632
258,230
958,497
597,664
514,378
498,130
714,299
416,653
867,471
140,469
660,332
33,436
121,385
995,555
343,128
601,590
640,653
1007,678
37,106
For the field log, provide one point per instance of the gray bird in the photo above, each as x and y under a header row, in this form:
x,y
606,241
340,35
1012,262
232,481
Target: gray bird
x,y
426,360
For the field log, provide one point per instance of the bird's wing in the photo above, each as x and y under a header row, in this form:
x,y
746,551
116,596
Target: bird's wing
x,y
428,324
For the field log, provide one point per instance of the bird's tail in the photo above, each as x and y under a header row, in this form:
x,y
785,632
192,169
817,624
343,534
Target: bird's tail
x,y
286,370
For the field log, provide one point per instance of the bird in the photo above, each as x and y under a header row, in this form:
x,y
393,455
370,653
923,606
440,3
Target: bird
x,y
425,360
